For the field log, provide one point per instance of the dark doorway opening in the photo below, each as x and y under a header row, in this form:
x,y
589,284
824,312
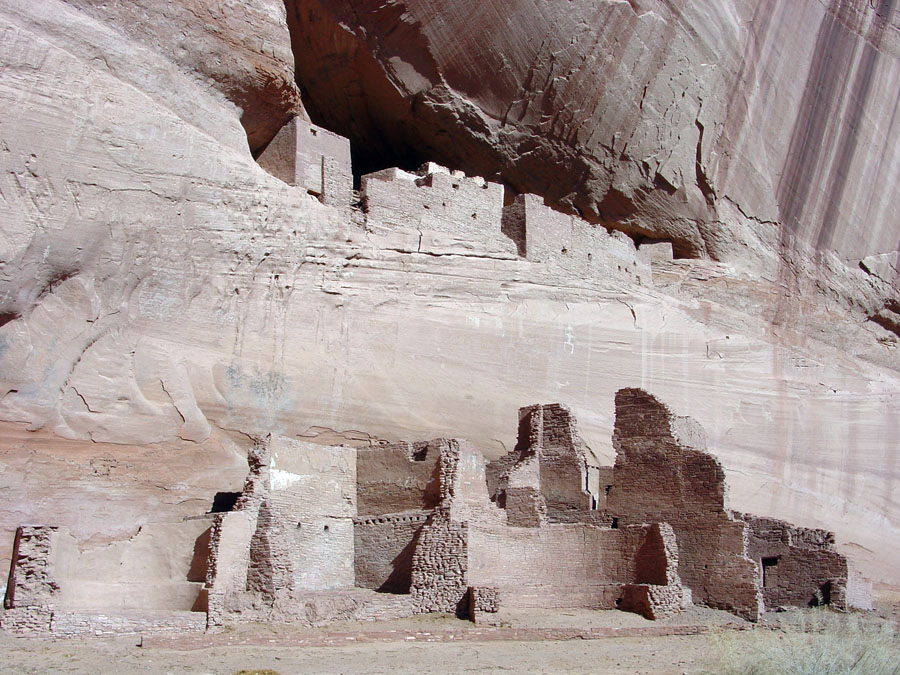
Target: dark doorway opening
x,y
768,571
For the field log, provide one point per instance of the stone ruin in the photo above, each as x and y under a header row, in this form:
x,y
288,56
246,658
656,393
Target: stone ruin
x,y
325,533
438,211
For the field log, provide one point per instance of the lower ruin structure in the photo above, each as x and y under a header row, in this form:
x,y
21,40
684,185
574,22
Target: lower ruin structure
x,y
325,533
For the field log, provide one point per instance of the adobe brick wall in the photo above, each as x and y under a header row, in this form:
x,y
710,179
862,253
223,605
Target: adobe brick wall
x,y
383,550
656,478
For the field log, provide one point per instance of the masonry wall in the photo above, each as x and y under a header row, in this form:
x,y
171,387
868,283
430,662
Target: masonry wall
x,y
799,566
444,212
656,478
312,158
563,565
383,549
312,497
572,245
397,477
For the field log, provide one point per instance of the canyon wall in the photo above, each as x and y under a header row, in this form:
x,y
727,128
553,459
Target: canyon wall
x,y
163,296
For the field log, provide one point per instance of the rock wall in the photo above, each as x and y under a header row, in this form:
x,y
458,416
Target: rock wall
x,y
705,124
162,296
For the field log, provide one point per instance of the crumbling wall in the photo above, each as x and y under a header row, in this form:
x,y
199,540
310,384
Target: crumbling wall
x,y
657,477
799,566
443,212
550,456
440,565
571,245
312,158
383,549
441,559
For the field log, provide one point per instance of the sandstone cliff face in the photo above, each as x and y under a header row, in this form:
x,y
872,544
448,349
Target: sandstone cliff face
x,y
163,296
703,123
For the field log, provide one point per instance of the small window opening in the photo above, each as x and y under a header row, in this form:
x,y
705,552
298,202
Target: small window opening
x,y
768,571
325,528
607,489
615,524
224,502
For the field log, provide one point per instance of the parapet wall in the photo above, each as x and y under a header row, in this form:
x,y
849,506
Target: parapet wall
x,y
445,211
571,245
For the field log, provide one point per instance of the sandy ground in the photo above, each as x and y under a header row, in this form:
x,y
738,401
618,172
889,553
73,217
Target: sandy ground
x,y
122,655
398,654
390,647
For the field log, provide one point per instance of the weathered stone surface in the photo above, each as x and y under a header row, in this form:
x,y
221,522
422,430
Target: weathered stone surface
x,y
162,297
646,115
240,50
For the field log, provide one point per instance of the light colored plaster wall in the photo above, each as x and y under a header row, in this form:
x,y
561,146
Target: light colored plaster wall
x,y
312,488
564,565
442,212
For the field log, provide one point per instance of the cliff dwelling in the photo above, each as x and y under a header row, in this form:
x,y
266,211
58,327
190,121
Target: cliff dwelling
x,y
327,533
447,315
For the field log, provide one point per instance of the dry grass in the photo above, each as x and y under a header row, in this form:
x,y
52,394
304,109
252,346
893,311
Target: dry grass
x,y
812,642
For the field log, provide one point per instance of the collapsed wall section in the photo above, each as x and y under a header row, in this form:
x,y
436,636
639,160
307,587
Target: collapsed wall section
x,y
547,475
798,566
471,549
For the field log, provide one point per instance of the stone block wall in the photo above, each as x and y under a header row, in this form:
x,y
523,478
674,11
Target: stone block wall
x,y
799,566
383,550
571,245
31,577
657,478
440,565
313,158
447,212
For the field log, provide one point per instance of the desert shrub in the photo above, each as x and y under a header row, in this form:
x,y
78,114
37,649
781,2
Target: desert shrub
x,y
811,643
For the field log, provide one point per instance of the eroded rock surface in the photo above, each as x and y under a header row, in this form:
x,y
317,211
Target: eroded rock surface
x,y
163,296
703,123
